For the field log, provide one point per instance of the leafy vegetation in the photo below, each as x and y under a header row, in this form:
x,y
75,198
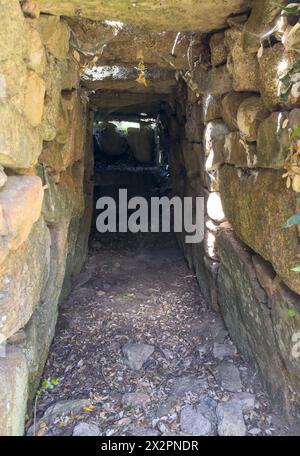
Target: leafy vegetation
x,y
288,81
47,384
292,163
294,220
291,313
292,8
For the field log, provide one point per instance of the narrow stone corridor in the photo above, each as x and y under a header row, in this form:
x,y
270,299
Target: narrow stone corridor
x,y
136,351
117,116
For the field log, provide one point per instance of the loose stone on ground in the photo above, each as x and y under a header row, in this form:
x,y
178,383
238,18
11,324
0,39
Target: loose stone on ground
x,y
152,361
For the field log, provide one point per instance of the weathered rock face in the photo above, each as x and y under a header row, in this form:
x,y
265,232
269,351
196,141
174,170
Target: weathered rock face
x,y
273,65
20,201
53,80
218,49
230,106
40,204
34,99
253,325
194,125
286,331
231,420
250,114
36,55
258,205
216,82
211,108
193,155
13,392
172,16
273,141
111,141
261,21
39,331
242,67
115,45
239,152
63,197
141,142
55,35
3,177
68,146
214,139
30,264
13,49
19,147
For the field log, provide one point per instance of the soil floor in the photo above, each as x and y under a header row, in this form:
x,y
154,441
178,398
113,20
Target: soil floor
x,y
104,380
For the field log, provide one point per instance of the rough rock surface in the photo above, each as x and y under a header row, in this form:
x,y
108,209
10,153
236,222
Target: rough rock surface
x,y
184,386
261,21
218,49
211,108
204,16
141,142
250,114
38,81
30,263
230,106
111,141
242,67
250,203
135,399
34,99
215,82
286,330
13,392
273,65
239,152
65,407
36,55
231,420
250,322
273,141
229,377
20,202
55,35
221,351
20,147
136,354
86,430
214,139
13,50
193,421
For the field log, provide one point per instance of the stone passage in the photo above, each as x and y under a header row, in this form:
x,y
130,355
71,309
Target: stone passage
x,y
137,352
175,99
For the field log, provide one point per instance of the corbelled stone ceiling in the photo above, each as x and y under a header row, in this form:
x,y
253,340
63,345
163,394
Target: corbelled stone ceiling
x,y
166,15
113,37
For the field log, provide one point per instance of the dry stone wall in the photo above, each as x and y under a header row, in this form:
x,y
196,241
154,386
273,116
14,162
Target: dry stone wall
x,y
230,141
45,195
